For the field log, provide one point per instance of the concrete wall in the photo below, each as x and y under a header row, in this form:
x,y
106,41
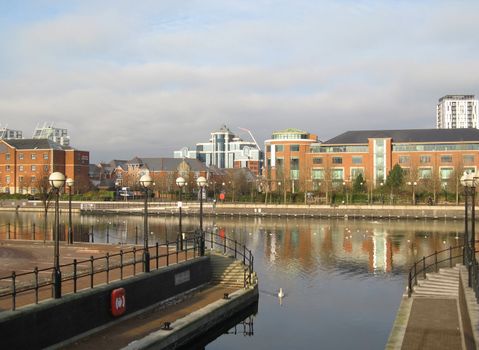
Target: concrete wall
x,y
38,326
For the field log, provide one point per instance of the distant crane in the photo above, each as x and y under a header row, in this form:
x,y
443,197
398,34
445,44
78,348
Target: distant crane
x,y
250,134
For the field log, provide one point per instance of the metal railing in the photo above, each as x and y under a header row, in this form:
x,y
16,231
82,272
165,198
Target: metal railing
x,y
432,263
83,274
234,249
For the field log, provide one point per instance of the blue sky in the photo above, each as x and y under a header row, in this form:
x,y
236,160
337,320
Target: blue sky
x,y
146,77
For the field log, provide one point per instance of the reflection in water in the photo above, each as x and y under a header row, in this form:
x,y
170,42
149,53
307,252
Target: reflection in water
x,y
340,276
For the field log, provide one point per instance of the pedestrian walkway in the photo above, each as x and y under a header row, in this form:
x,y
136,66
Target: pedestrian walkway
x,y
124,332
430,319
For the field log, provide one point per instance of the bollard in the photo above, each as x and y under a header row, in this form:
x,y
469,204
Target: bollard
x,y
167,253
108,234
33,232
74,275
107,267
136,234
91,271
8,231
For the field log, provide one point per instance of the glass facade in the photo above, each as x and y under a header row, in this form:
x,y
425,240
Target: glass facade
x,y
339,149
398,147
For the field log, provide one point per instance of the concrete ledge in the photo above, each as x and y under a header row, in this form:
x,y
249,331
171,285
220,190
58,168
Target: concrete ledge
x,y
398,330
469,309
197,323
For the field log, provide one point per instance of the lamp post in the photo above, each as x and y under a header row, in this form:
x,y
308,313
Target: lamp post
x,y
201,182
145,182
445,192
413,186
345,193
180,182
57,181
469,182
70,183
279,192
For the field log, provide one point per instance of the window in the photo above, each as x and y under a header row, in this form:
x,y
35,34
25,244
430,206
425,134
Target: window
x,y
468,159
45,168
34,156
33,178
356,171
294,165
403,159
279,148
45,156
7,156
20,168
20,179
337,160
446,159
317,174
34,168
317,160
7,179
357,159
7,167
424,159
294,148
337,174
446,173
20,156
424,173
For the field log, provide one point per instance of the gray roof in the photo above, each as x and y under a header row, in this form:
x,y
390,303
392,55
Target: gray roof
x,y
36,144
408,135
168,164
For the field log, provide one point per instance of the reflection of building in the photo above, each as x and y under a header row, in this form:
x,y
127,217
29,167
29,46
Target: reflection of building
x,y
225,150
457,111
25,163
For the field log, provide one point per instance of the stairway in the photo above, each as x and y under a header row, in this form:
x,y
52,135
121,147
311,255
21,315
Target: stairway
x,y
444,284
227,270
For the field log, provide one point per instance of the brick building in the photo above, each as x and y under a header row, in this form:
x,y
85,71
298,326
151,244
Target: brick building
x,y
434,155
24,164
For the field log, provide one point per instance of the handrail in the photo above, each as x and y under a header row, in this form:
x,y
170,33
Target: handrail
x,y
11,286
240,251
422,266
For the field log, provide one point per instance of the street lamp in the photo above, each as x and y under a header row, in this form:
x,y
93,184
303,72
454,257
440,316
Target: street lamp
x,y
145,182
180,182
469,181
345,193
201,182
70,182
57,181
413,186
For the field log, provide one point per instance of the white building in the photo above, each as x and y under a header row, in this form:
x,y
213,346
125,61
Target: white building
x,y
225,150
457,112
10,134
54,134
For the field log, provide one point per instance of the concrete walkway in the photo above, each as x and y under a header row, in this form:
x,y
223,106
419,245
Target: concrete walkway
x,y
124,332
430,319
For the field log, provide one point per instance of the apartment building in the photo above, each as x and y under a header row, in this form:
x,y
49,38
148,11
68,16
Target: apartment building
x,y
457,111
25,163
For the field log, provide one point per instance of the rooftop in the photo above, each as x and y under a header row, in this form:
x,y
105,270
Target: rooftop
x,y
36,144
408,135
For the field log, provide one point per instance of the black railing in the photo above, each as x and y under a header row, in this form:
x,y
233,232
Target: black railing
x,y
432,263
234,249
85,273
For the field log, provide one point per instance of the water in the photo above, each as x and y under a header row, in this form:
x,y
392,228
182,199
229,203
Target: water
x,y
343,280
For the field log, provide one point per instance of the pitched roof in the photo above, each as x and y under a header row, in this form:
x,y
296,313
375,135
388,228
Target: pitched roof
x,y
168,164
36,144
408,135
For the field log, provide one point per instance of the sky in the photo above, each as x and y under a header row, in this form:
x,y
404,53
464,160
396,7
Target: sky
x,y
144,78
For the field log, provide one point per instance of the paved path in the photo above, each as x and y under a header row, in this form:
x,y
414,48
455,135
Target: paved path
x,y
124,332
430,320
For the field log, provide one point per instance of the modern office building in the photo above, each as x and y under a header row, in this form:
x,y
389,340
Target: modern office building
x,y
25,164
225,150
49,132
434,154
286,158
457,112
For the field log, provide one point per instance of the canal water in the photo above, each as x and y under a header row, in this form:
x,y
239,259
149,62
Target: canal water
x,y
342,279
